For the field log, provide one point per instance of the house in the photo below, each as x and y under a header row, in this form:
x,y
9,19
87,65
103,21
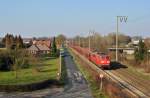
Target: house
x,y
40,46
38,49
135,40
46,42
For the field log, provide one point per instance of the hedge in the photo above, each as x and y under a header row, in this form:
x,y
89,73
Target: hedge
x,y
29,87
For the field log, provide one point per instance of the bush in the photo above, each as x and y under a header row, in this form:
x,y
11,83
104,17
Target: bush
x,y
140,52
55,54
5,61
8,59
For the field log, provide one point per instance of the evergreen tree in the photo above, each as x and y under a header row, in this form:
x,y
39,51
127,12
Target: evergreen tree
x,y
12,42
19,42
11,38
15,39
54,47
140,52
8,40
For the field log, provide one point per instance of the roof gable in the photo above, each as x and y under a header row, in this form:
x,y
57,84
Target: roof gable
x,y
42,42
34,48
43,47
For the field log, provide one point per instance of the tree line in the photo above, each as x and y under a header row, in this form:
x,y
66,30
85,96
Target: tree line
x,y
11,42
101,43
14,56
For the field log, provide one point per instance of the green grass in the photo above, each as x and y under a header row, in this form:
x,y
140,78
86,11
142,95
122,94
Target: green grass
x,y
130,57
63,78
137,71
92,83
48,70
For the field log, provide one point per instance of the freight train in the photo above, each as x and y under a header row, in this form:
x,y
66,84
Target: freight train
x,y
102,60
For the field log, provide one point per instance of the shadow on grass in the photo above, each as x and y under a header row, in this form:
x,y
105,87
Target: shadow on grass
x,y
48,58
48,70
42,65
117,65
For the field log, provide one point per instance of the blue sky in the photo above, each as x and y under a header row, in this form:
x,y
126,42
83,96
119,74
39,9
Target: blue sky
x,y
73,17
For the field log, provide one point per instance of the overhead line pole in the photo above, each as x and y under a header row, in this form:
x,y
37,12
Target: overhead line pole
x,y
79,41
117,39
89,42
122,18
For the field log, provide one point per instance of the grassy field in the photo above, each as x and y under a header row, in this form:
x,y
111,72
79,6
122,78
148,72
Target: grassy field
x,y
92,83
139,72
47,70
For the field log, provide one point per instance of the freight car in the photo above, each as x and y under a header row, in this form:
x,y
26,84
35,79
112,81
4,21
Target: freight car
x,y
102,60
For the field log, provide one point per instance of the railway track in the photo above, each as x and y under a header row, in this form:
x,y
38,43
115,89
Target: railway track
x,y
123,78
138,82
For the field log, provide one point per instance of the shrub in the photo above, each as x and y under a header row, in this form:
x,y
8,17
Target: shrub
x,y
8,59
140,52
5,61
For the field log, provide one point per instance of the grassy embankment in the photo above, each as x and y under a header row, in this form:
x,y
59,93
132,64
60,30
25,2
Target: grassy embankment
x,y
48,70
135,69
89,77
139,72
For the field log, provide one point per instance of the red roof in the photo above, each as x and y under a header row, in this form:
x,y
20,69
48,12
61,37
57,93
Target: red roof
x,y
42,42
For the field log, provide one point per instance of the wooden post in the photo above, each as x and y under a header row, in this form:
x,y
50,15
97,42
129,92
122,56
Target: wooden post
x,y
101,82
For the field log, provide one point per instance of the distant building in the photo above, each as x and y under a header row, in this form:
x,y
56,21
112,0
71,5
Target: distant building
x,y
27,40
136,40
123,50
38,49
46,42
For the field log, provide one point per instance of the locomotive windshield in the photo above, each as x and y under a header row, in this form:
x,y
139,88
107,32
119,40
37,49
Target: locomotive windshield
x,y
103,55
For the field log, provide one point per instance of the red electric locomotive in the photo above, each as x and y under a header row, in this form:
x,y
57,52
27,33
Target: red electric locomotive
x,y
102,60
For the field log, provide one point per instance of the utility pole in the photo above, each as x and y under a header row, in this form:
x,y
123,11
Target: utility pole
x,y
147,57
82,40
117,40
122,18
72,42
90,32
89,42
79,41
101,82
94,38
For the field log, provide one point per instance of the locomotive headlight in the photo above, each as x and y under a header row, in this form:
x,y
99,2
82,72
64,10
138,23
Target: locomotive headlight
x,y
108,61
102,61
